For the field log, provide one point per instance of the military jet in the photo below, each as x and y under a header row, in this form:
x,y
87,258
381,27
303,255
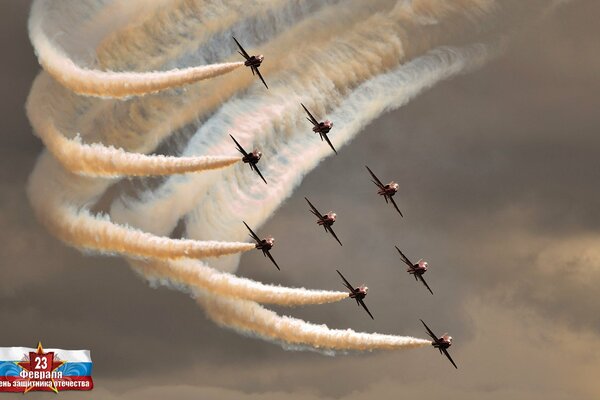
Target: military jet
x,y
441,343
325,220
250,158
357,294
265,244
417,270
252,61
322,128
387,191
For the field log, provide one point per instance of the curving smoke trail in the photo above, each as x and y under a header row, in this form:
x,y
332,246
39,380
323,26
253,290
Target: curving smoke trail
x,y
321,72
92,82
238,195
250,318
160,117
199,276
58,201
100,160
199,30
360,60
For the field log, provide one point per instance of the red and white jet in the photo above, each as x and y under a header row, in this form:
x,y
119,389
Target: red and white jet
x,y
441,343
252,61
357,294
387,191
250,158
265,245
322,128
417,270
325,220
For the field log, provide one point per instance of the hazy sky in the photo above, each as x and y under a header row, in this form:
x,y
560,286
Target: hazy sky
x,y
499,173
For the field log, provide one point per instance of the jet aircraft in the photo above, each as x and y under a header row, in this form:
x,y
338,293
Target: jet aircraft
x,y
252,61
441,343
325,220
387,191
357,294
417,270
250,158
322,128
265,245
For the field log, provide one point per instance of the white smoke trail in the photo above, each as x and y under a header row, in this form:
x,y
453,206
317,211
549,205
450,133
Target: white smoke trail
x,y
250,126
93,82
95,160
357,76
236,194
370,99
92,223
200,276
157,117
250,318
75,225
198,31
313,75
387,91
106,161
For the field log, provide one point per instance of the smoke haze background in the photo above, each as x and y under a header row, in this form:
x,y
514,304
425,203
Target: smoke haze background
x,y
498,173
211,205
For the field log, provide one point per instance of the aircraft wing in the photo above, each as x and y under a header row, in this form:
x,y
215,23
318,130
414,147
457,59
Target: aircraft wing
x,y
242,51
314,210
260,76
404,258
330,229
329,143
375,179
346,283
435,339
449,358
252,234
268,254
239,146
396,206
362,303
425,283
255,168
311,119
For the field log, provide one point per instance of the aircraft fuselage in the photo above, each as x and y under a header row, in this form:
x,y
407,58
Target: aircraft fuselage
x,y
323,127
253,157
389,190
418,269
254,61
442,343
327,219
359,293
266,244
